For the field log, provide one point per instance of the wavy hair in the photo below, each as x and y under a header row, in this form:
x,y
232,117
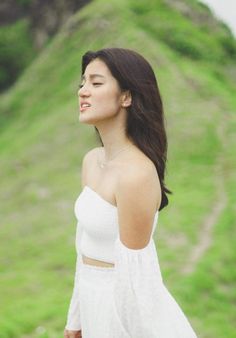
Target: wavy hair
x,y
145,123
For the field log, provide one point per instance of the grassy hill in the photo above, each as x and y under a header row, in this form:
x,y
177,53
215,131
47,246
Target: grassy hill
x,y
42,145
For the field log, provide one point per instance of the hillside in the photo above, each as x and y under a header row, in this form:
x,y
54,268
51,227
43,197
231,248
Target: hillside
x,y
42,145
26,27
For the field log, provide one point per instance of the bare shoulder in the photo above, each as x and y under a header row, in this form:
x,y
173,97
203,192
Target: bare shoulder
x,y
138,193
87,161
91,154
139,170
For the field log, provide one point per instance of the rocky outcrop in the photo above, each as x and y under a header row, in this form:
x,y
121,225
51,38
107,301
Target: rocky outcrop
x,y
41,20
47,17
11,11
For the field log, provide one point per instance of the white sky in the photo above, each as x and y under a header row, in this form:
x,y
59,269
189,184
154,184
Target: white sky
x,y
225,10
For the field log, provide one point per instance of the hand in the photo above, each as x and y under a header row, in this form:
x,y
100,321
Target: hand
x,y
72,334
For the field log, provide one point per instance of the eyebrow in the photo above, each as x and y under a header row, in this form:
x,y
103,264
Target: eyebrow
x,y
92,76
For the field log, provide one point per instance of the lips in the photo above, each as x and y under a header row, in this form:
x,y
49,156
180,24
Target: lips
x,y
84,106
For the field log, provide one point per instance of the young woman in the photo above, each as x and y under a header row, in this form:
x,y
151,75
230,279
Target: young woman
x,y
118,287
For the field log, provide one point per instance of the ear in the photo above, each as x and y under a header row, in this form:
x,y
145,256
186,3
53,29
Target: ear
x,y
126,99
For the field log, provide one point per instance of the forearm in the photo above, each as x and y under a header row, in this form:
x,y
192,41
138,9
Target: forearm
x,y
73,317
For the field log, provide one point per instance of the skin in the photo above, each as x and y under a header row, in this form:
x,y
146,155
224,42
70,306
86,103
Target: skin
x,y
72,334
107,112
108,106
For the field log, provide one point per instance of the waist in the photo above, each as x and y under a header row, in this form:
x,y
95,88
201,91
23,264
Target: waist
x,y
96,250
91,261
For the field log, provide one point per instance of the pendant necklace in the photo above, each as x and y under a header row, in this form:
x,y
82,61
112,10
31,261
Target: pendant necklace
x,y
103,164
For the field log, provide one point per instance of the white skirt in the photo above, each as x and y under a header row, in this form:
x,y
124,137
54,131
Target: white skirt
x,y
95,298
99,317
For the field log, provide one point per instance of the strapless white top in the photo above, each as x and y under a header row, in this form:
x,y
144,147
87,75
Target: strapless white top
x,y
97,226
143,306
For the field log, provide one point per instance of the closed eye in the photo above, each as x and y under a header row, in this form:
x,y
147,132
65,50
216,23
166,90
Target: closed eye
x,y
95,84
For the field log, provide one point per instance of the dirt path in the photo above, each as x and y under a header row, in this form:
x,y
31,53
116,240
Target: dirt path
x,y
206,228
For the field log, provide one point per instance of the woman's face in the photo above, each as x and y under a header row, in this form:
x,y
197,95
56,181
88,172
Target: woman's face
x,y
100,96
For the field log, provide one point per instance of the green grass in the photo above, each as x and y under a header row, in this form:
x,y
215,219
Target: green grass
x,y
42,145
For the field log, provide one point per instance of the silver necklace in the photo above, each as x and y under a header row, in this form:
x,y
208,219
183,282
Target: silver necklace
x,y
103,164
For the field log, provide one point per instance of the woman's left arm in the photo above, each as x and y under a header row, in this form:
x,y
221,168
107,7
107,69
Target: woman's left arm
x,y
137,274
73,316
136,292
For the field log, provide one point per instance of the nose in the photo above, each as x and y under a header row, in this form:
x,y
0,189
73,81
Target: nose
x,y
83,91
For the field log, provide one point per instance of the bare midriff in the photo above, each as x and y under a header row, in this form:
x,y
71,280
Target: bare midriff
x,y
91,261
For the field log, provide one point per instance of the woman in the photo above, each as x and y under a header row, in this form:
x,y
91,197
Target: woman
x,y
118,287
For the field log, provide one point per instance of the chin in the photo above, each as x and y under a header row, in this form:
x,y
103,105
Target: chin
x,y
87,120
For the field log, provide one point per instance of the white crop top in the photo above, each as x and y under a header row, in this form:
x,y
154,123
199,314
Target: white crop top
x,y
97,226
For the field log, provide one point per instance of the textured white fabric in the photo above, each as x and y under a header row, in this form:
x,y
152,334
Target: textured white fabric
x,y
73,318
98,225
141,306
96,309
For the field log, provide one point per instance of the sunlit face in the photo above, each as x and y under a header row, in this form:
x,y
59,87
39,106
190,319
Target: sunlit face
x,y
99,95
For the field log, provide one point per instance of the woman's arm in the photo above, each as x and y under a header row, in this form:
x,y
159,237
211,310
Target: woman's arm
x,y
138,193
142,306
137,273
73,316
136,292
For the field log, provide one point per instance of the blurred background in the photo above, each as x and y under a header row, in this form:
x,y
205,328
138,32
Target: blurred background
x,y
42,143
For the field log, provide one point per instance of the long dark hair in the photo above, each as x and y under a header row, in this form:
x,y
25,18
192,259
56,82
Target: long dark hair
x,y
145,117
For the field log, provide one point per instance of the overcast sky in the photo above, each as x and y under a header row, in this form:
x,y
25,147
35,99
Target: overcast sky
x,y
225,10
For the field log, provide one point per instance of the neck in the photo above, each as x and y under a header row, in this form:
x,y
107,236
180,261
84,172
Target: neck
x,y
113,143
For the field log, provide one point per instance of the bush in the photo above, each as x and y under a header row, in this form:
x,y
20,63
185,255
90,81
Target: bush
x,y
16,51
